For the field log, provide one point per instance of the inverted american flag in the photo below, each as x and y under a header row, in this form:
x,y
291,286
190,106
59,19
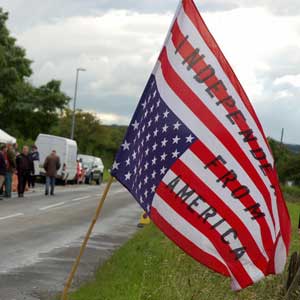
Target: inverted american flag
x,y
196,159
155,140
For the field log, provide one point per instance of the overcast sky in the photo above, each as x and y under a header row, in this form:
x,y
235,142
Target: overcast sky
x,y
118,41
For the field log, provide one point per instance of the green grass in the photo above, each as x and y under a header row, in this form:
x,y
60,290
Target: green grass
x,y
149,266
291,193
106,175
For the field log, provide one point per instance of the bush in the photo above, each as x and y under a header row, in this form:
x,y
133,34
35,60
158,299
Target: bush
x,y
291,193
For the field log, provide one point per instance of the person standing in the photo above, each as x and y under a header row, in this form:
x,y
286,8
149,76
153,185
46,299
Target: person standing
x,y
24,169
35,158
2,166
10,158
51,166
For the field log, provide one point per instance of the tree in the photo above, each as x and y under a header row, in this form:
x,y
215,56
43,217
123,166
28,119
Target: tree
x,y
24,109
38,109
286,162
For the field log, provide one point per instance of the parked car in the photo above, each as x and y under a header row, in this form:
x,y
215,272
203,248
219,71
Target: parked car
x,y
65,148
93,168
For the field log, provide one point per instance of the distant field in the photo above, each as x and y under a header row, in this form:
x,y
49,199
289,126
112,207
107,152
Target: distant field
x,y
149,266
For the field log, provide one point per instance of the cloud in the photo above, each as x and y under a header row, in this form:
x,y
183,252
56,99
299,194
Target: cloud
x,y
49,11
293,80
118,49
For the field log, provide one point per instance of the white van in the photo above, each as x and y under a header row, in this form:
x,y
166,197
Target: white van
x,y
65,148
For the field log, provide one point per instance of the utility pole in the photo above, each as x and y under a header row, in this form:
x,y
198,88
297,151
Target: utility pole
x,y
281,139
74,102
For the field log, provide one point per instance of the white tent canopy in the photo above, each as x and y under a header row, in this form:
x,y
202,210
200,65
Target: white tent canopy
x,y
5,138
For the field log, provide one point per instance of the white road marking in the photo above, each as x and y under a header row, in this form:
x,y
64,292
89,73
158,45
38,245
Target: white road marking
x,y
11,216
52,206
81,198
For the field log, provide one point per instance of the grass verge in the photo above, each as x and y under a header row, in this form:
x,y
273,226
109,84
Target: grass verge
x,y
106,175
149,266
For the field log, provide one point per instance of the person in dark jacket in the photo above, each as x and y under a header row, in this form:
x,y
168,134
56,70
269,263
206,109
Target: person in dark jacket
x,y
51,166
10,169
24,169
2,165
35,158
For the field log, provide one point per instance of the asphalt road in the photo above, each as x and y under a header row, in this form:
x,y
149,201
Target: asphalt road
x,y
40,237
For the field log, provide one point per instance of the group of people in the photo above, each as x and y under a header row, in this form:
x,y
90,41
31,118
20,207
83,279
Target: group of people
x,y
25,166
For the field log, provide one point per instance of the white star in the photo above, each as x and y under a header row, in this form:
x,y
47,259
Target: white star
x,y
144,104
175,154
163,157
128,176
157,118
153,189
141,200
142,143
148,137
176,139
176,125
154,94
158,103
134,155
146,193
163,170
164,142
139,134
165,128
143,128
140,185
155,132
146,165
135,125
146,179
154,147
153,175
125,145
115,166
140,172
148,208
152,108
154,161
134,141
146,113
127,162
149,123
135,170
149,98
166,113
147,152
189,138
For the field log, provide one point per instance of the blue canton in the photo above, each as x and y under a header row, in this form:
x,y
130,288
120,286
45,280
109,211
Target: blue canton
x,y
155,139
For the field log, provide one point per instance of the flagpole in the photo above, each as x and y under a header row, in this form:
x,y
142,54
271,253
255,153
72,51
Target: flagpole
x,y
86,239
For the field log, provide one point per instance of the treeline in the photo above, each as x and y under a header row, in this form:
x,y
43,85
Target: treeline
x,y
287,162
27,110
92,137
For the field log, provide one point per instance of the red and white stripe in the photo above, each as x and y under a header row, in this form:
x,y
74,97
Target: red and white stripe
x,y
266,239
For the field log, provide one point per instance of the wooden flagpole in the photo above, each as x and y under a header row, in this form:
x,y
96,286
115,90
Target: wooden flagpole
x,y
86,239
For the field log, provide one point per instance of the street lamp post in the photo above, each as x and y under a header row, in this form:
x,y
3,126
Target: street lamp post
x,y
74,102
